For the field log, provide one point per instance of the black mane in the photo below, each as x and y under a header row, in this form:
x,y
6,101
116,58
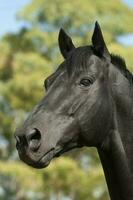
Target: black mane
x,y
119,62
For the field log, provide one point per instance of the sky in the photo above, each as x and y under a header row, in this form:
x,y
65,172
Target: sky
x,y
8,22
128,2
8,10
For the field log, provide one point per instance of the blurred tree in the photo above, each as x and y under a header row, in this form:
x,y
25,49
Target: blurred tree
x,y
50,15
19,182
63,178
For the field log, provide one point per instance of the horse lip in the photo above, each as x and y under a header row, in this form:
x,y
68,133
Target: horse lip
x,y
65,149
46,154
49,155
54,152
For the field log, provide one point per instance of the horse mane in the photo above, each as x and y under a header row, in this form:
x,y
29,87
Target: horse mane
x,y
119,62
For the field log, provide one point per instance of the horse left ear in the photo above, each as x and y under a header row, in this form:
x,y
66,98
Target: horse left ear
x,y
65,43
99,45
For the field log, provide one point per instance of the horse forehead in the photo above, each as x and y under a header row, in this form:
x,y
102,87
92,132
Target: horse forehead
x,y
80,53
78,60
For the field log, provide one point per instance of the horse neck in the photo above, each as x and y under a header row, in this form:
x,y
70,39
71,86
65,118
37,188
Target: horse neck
x,y
117,159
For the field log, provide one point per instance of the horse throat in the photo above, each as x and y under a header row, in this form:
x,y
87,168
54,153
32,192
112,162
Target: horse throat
x,y
117,160
117,170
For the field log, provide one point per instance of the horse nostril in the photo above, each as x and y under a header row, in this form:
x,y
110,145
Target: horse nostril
x,y
17,139
20,141
34,138
34,135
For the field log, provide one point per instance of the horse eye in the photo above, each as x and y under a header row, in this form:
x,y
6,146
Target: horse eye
x,y
86,82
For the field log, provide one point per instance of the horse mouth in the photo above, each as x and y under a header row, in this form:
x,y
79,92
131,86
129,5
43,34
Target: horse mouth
x,y
45,160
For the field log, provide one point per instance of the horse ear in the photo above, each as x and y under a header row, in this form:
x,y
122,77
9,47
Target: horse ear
x,y
99,45
65,43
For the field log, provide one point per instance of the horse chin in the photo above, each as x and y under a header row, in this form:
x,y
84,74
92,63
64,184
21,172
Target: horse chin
x,y
45,160
38,165
42,162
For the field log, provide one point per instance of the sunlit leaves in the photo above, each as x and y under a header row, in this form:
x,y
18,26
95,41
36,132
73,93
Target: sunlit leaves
x,y
62,178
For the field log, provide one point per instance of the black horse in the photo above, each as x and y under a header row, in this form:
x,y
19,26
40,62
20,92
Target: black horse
x,y
88,102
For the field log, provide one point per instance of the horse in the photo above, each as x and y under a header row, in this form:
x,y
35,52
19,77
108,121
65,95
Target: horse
x,y
88,102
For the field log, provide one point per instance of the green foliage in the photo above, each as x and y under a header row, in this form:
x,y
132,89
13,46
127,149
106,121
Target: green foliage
x,y
30,71
51,14
65,178
62,178
19,182
5,61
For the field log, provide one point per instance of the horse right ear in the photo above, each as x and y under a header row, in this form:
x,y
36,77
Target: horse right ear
x,y
98,42
65,43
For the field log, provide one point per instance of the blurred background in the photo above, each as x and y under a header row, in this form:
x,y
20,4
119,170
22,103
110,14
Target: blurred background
x,y
28,54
